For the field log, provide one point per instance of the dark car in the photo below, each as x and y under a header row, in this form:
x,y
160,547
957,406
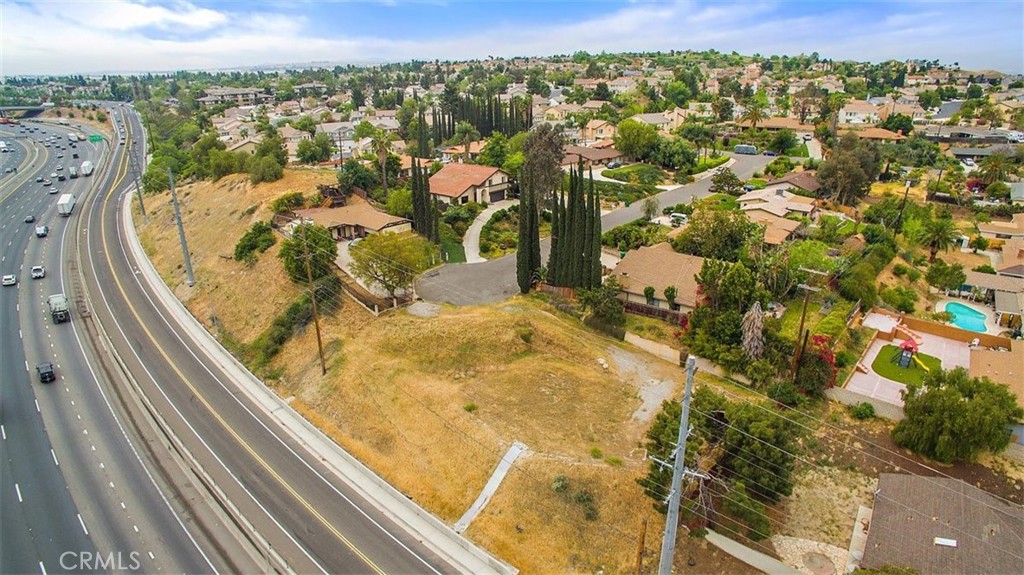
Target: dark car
x,y
614,164
29,219
46,373
770,153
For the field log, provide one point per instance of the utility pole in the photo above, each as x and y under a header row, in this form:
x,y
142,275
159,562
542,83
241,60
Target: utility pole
x,y
899,216
181,232
312,297
668,543
640,548
138,186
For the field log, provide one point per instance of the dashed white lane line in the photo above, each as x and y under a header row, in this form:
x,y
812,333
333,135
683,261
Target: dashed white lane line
x,y
36,401
3,432
55,462
151,556
17,490
82,522
42,568
123,506
136,528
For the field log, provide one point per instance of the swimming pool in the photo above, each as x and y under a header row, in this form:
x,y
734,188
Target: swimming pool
x,y
965,317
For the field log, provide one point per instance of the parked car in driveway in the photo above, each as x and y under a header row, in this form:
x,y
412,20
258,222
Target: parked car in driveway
x,y
770,153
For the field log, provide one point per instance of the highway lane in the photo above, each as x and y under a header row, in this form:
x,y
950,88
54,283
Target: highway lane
x,y
40,519
307,515
127,518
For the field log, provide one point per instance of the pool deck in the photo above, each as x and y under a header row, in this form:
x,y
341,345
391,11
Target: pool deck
x,y
951,353
990,321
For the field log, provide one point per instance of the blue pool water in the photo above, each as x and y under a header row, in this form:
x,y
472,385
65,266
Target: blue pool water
x,y
966,318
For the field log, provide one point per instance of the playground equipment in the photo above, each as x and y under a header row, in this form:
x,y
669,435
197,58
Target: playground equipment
x,y
906,352
921,364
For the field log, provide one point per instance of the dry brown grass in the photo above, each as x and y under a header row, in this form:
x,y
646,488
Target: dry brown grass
x,y
77,116
398,386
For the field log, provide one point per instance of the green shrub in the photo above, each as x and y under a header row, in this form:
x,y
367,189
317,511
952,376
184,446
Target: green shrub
x,y
560,484
287,202
596,452
637,174
470,407
900,298
862,411
900,270
985,269
257,238
785,393
845,358
942,317
913,274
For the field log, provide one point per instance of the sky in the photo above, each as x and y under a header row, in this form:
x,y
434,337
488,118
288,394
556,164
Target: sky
x,y
94,36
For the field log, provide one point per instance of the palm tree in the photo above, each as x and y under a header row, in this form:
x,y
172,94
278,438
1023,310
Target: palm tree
x,y
466,133
755,112
939,234
380,143
995,168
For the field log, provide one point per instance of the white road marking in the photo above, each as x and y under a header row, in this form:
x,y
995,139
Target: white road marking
x,y
151,556
85,432
122,505
83,524
3,432
18,491
36,401
136,528
111,484
55,462
102,466
42,568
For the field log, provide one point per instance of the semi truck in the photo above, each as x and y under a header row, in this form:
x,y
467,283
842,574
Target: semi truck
x,y
86,168
59,308
66,204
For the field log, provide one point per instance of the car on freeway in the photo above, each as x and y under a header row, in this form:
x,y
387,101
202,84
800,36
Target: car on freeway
x,y
45,371
53,175
42,231
53,190
38,272
59,168
47,182
8,170
29,219
60,156
61,178
9,280
39,179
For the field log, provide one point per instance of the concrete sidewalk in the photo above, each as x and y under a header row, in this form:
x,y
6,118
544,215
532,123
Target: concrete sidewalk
x,y
755,559
460,552
471,241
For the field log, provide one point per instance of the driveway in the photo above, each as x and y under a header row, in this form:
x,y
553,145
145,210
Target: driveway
x,y
495,280
471,241
814,149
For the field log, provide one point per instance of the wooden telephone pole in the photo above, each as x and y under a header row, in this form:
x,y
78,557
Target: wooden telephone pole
x,y
312,297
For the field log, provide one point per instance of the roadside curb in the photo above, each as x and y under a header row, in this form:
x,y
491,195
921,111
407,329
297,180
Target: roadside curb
x,y
418,522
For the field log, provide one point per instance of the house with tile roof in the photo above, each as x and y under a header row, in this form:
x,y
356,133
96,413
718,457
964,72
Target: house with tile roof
x,y
659,266
357,219
591,156
942,525
598,130
464,183
1003,230
777,229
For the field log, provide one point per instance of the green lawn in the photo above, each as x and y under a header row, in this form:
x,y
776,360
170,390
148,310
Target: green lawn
x,y
885,367
798,151
637,174
453,252
722,202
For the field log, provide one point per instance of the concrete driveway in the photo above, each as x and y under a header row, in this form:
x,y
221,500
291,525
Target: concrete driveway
x,y
495,280
471,241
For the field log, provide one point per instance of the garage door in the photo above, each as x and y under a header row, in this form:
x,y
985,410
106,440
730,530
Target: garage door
x,y
496,196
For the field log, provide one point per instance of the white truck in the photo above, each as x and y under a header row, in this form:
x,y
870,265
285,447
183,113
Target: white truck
x,y
86,168
65,204
59,308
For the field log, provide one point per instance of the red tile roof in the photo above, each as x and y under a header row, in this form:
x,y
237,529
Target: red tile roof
x,y
454,179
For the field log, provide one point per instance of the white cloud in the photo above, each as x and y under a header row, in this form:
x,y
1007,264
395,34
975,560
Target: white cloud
x,y
126,36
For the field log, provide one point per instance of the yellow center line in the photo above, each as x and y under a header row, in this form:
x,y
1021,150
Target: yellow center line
x,y
202,399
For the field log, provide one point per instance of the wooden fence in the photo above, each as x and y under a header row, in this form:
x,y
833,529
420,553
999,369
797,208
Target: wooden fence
x,y
673,317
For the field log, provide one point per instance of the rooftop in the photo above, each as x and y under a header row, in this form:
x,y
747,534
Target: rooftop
x,y
659,266
454,179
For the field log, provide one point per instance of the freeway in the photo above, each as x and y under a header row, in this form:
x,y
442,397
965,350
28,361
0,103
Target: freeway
x,y
76,495
297,512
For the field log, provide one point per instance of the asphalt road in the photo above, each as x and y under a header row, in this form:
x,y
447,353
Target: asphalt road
x,y
75,496
495,280
297,507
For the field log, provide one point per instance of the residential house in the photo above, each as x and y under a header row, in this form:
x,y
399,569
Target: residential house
x,y
622,85
777,202
560,112
656,119
1012,263
659,266
591,156
776,123
593,105
1003,230
357,219
777,230
1016,192
805,181
1004,366
915,111
239,96
292,135
874,133
588,83
1005,293
858,112
458,152
942,525
598,130
464,183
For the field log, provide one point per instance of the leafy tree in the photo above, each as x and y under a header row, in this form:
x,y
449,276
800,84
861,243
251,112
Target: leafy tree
x,y
636,139
364,129
725,181
715,234
756,112
316,150
975,91
944,276
951,416
495,151
399,203
602,302
316,241
783,140
844,177
650,207
601,92
759,447
900,123
392,261
354,174
381,145
739,505
466,134
257,238
272,147
978,243
722,108
306,124
265,169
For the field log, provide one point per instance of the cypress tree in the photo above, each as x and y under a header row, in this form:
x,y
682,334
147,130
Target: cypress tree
x,y
587,231
595,247
576,221
524,271
435,218
535,261
417,209
556,232
422,144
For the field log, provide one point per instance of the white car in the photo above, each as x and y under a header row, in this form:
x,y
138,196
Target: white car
x,y
10,279
38,272
968,162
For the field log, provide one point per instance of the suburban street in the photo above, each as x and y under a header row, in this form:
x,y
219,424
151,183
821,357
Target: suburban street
x,y
495,280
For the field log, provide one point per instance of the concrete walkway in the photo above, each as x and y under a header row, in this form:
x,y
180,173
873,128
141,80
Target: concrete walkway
x,y
490,487
755,559
471,241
